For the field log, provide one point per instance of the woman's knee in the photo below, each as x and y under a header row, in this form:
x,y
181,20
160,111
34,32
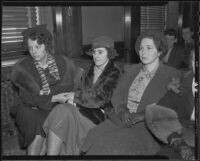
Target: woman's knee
x,y
63,109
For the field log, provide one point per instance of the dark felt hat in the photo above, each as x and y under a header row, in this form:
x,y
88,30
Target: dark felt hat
x,y
41,29
103,41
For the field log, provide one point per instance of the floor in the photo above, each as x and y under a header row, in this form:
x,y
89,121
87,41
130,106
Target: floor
x,y
10,146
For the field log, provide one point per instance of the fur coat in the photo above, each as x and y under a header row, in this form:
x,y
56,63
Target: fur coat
x,y
26,78
98,94
90,97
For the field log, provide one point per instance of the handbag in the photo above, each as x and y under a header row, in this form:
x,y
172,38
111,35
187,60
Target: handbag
x,y
93,114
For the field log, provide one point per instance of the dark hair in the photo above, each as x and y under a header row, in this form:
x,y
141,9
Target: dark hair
x,y
110,53
158,39
41,34
170,32
188,26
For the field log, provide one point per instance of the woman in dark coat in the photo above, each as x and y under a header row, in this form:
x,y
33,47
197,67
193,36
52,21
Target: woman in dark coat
x,y
68,124
41,79
125,133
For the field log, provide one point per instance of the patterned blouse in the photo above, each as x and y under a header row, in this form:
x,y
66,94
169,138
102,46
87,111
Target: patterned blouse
x,y
138,87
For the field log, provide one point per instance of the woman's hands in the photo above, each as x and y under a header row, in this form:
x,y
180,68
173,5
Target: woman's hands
x,y
63,97
70,97
129,119
137,117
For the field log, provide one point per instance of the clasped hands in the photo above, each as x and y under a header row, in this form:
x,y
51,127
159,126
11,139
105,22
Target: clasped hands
x,y
64,97
129,119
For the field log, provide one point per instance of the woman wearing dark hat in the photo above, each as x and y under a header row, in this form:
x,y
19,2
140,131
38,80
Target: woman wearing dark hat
x,y
41,79
68,124
125,132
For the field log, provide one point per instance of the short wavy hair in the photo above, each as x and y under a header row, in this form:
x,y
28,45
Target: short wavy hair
x,y
170,32
158,39
41,34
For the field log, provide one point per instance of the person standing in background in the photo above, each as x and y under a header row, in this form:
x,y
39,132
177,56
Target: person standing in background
x,y
187,34
175,53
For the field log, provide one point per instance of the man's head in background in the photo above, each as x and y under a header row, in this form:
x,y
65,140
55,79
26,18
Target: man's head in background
x,y
187,34
171,36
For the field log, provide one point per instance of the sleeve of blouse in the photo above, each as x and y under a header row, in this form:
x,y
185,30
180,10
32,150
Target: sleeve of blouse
x,y
97,97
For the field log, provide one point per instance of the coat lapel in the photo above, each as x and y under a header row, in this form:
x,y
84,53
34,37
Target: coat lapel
x,y
172,56
130,78
120,95
88,82
155,89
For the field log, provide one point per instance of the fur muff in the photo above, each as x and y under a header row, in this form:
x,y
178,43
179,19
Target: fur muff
x,y
162,121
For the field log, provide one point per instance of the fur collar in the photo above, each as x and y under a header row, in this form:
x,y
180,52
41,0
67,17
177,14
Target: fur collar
x,y
90,74
24,80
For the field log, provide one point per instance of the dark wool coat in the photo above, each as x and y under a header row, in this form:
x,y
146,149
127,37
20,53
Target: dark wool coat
x,y
25,76
176,57
182,104
155,90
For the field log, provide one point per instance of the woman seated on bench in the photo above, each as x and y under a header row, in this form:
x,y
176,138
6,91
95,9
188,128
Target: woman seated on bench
x,y
125,133
41,78
68,124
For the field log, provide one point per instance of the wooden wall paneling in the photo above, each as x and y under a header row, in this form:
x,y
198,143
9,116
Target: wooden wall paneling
x,y
135,32
132,31
127,33
72,31
58,30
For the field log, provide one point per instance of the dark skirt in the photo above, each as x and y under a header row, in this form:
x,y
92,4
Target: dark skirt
x,y
29,122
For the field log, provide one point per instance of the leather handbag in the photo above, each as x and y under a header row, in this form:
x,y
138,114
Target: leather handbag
x,y
93,114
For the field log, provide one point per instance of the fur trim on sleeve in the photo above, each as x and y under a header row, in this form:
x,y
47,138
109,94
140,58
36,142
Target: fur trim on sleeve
x,y
24,80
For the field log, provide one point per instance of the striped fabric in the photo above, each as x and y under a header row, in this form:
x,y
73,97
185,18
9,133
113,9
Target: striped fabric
x,y
53,69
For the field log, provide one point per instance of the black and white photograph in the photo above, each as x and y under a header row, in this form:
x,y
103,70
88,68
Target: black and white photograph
x,y
100,80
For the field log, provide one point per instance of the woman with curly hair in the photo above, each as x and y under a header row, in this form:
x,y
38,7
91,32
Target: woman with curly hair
x,y
42,78
125,132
